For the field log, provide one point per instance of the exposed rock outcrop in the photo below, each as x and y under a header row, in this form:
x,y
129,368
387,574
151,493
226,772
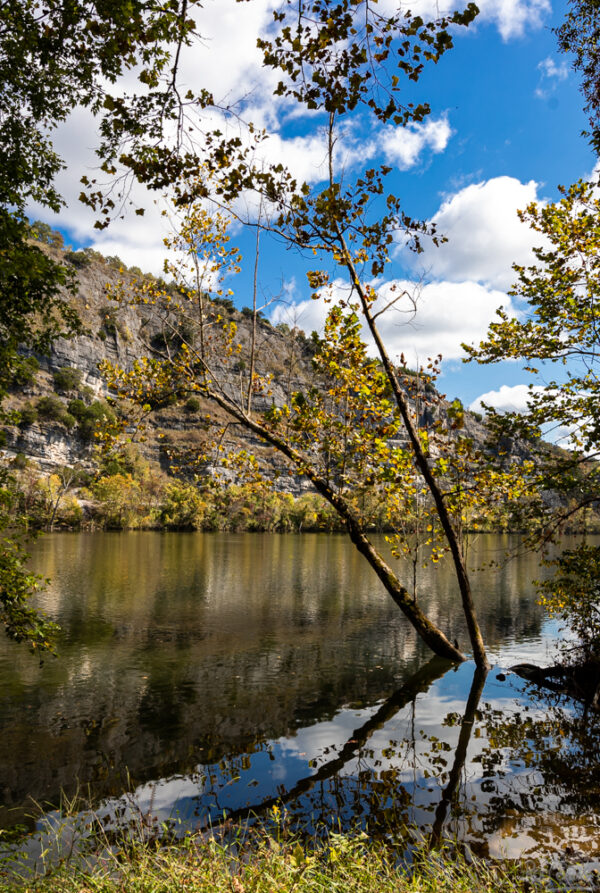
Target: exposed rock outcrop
x,y
121,334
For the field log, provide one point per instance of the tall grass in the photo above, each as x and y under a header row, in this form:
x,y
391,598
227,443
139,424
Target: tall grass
x,y
137,859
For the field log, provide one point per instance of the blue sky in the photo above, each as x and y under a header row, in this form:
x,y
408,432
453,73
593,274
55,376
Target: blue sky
x,y
504,130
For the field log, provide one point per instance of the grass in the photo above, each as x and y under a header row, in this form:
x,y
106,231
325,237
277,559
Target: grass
x,y
255,861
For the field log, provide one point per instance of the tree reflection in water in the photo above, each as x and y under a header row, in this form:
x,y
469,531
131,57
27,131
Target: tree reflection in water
x,y
515,783
219,684
541,770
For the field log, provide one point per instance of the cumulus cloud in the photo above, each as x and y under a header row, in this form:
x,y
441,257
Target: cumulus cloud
x,y
226,61
512,18
550,69
403,146
435,318
139,240
224,57
550,75
485,236
513,398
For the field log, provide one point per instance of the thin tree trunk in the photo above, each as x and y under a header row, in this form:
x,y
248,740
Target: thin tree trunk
x,y
416,684
253,336
462,576
460,755
433,637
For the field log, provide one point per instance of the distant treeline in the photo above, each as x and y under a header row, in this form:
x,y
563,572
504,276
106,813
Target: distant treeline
x,y
135,495
129,493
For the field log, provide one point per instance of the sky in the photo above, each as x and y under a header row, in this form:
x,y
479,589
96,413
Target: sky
x,y
504,130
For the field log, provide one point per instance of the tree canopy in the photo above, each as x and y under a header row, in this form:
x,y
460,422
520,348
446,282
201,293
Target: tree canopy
x,y
339,438
53,59
560,335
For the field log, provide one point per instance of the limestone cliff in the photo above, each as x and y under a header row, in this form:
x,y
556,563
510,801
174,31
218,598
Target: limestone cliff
x,y
121,334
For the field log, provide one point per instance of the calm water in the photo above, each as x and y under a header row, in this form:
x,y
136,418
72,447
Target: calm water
x,y
208,674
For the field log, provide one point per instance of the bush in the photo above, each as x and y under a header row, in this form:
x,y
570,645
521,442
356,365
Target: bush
x,y
67,379
77,408
78,259
192,404
20,461
44,233
93,417
25,371
572,594
51,407
27,415
108,315
183,508
118,499
226,304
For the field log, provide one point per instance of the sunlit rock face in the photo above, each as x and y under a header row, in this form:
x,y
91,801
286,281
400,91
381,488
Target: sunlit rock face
x,y
122,334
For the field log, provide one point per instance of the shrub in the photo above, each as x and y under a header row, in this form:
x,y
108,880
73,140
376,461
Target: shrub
x,y
67,379
226,304
183,508
50,407
572,594
68,420
192,404
118,499
20,461
78,259
70,513
93,417
108,315
25,371
77,408
44,233
27,415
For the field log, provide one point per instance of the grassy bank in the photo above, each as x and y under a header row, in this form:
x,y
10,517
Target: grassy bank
x,y
264,865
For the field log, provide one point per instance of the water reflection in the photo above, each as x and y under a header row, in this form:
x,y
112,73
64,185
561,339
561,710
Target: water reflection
x,y
224,673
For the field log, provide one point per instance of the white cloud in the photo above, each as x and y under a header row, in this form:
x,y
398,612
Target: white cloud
x,y
225,61
550,69
139,239
512,18
403,146
508,398
515,398
485,236
550,75
442,316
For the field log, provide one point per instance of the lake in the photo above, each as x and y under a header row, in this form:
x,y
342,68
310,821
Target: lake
x,y
206,675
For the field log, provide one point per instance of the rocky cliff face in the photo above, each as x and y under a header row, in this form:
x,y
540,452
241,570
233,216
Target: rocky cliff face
x,y
121,334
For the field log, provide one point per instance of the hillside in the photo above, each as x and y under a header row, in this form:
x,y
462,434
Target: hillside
x,y
59,401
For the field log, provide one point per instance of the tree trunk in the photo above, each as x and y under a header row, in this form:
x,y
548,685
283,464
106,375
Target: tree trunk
x,y
433,637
